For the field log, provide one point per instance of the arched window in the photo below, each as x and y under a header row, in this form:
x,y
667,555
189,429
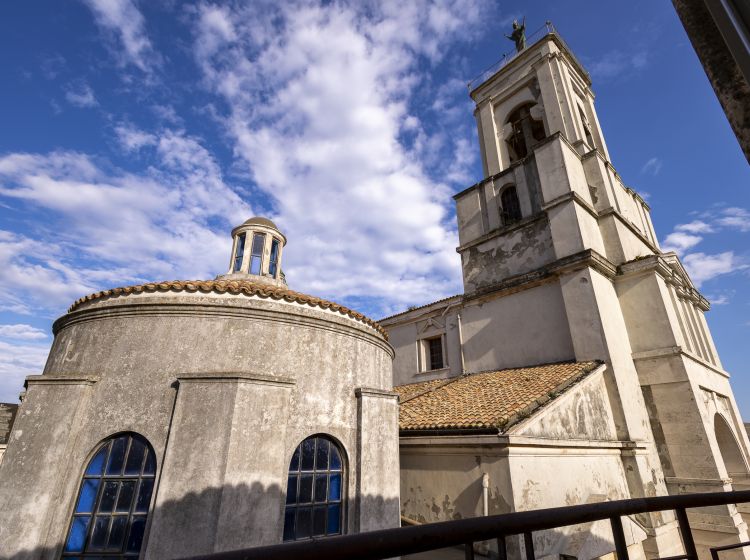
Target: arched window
x,y
113,501
314,495
526,131
510,209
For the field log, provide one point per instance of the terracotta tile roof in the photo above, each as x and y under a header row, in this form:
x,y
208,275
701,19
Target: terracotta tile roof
x,y
492,400
235,287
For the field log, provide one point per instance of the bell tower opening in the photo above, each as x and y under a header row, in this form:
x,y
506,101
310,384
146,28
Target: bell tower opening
x,y
526,131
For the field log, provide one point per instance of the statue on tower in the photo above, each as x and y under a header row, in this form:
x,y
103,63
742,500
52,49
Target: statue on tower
x,y
519,34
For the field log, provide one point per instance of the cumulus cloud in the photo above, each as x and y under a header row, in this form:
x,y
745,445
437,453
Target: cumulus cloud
x,y
735,218
696,226
679,242
319,108
81,95
22,332
17,361
702,267
123,19
111,227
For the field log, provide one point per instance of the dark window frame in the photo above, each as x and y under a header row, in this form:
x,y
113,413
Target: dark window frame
x,y
96,503
273,259
299,468
510,206
257,257
430,358
239,253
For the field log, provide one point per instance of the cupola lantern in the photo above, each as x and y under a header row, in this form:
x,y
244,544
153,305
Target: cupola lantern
x,y
256,252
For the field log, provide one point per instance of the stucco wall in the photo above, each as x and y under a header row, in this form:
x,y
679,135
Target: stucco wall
x,y
224,389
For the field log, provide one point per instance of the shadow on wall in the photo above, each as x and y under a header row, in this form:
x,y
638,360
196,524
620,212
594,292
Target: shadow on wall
x,y
222,519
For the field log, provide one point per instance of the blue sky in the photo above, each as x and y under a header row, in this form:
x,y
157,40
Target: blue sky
x,y
135,135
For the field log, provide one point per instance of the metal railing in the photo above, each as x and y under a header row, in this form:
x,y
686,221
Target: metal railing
x,y
391,543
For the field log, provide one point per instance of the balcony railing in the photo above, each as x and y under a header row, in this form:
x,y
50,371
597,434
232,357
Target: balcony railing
x,y
391,543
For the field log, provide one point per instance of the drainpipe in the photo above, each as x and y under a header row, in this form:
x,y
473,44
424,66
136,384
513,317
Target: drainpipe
x,y
485,494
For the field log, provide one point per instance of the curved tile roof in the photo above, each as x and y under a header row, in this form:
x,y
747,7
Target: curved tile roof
x,y
234,287
491,400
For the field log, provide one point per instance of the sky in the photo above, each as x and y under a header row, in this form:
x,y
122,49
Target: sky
x,y
135,135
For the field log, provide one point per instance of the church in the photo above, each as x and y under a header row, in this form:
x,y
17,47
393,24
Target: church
x,y
189,417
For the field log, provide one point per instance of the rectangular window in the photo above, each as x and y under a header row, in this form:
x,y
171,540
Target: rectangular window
x,y
274,261
239,252
435,352
256,253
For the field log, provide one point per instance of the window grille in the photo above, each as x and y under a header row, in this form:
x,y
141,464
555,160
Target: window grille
x,y
315,490
110,514
435,348
511,209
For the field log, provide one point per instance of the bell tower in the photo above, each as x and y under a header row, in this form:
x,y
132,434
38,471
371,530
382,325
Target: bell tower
x,y
550,191
553,212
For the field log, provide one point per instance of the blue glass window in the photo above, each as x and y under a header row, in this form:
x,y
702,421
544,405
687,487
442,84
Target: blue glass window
x,y
274,260
112,505
314,497
256,253
239,252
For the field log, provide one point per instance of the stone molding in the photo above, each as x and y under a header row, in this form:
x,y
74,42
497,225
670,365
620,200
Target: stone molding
x,y
671,351
232,377
224,310
360,392
231,287
61,380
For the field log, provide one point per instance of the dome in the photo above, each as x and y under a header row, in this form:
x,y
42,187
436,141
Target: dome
x,y
260,221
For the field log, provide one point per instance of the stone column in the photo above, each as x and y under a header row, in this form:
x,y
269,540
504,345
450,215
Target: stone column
x,y
378,477
227,445
35,471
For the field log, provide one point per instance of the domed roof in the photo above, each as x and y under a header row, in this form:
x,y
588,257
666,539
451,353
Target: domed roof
x,y
233,288
260,221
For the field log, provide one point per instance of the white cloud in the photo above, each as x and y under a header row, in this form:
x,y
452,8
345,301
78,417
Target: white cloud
x,y
652,166
617,63
696,226
720,298
319,100
735,218
123,18
81,95
114,227
22,332
132,138
679,242
703,267
17,361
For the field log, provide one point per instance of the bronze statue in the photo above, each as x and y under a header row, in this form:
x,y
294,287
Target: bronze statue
x,y
519,34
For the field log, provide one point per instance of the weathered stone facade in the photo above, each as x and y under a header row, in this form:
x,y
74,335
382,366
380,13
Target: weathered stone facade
x,y
561,264
223,379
